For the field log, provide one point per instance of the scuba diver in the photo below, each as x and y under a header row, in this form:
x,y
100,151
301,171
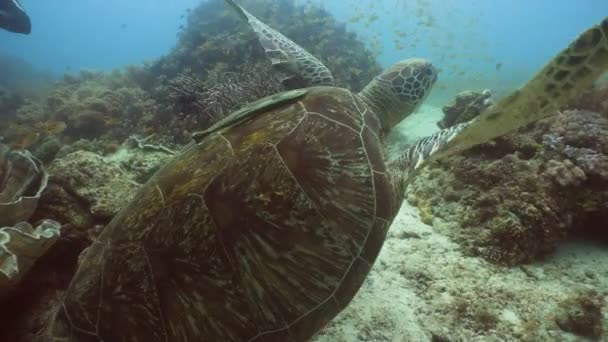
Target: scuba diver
x,y
13,18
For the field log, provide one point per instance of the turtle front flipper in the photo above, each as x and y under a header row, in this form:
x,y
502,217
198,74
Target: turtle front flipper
x,y
403,169
304,69
423,148
557,84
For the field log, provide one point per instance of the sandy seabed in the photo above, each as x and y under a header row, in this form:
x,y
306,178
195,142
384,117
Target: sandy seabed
x,y
423,288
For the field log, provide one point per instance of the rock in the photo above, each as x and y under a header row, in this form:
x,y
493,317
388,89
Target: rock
x,y
101,185
142,161
465,107
582,315
64,206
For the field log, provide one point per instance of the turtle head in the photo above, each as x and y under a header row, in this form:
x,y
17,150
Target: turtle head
x,y
399,90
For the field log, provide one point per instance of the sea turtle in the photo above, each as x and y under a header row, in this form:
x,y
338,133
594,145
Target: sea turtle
x,y
266,226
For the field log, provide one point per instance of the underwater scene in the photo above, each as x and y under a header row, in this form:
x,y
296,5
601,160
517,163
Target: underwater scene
x,y
303,170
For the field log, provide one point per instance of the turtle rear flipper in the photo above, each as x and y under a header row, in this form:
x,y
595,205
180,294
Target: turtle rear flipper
x,y
557,84
287,56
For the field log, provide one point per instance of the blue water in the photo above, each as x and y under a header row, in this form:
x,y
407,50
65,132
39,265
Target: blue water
x,y
96,34
466,39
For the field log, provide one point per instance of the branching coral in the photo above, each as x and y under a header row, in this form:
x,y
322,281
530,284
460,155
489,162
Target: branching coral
x,y
188,94
565,173
221,93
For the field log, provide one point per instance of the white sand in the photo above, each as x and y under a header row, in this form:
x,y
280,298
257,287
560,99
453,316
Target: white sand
x,y
422,285
420,124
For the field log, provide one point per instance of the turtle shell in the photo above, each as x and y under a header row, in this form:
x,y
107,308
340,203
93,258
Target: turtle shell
x,y
262,231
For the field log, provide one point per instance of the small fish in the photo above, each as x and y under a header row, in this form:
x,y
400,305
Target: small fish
x,y
355,19
26,140
188,10
400,34
110,121
123,26
498,65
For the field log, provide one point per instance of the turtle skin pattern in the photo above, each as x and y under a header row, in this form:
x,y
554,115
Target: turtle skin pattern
x,y
263,231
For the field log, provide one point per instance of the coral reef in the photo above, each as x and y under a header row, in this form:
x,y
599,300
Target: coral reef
x,y
87,130
20,246
23,178
215,39
85,189
91,105
21,80
9,103
519,196
202,103
141,158
216,67
88,105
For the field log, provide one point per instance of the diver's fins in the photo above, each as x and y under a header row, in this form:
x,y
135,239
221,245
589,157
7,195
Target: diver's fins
x,y
13,17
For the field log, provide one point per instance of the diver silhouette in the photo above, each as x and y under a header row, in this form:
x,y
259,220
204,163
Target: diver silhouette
x,y
13,17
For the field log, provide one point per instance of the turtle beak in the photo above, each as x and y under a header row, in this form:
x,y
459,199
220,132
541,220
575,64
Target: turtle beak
x,y
430,71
